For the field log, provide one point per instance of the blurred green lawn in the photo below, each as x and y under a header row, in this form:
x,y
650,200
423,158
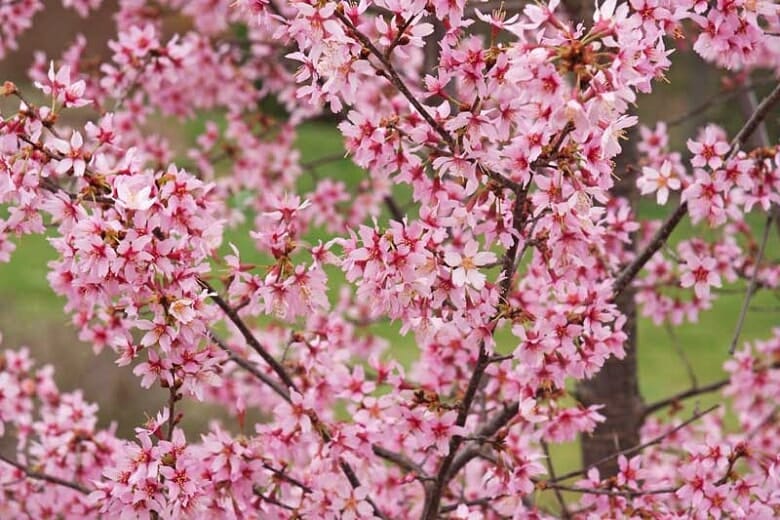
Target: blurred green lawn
x,y
33,314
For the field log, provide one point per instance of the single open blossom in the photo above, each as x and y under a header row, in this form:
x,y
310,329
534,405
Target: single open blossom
x,y
614,131
700,272
134,192
710,150
59,86
183,310
74,155
466,265
660,181
352,504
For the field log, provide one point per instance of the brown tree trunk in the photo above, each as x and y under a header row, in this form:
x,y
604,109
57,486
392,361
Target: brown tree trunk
x,y
616,386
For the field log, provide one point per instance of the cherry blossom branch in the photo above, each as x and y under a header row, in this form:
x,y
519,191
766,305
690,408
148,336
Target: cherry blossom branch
x,y
761,112
35,475
393,208
720,97
395,79
321,161
311,167
692,392
628,274
609,492
752,285
662,235
287,478
265,498
286,379
401,461
770,417
355,483
248,336
445,473
508,412
249,367
397,40
173,396
639,447
681,354
433,499
518,222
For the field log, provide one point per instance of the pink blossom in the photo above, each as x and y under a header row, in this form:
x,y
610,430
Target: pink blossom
x,y
134,193
74,156
466,265
699,273
659,181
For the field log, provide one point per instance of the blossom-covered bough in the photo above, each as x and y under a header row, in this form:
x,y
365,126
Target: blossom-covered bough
x,y
505,123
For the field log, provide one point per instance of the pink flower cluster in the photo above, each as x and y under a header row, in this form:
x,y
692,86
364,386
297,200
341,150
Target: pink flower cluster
x,y
505,263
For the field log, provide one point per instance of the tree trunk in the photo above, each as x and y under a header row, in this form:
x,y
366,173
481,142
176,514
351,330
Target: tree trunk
x,y
616,386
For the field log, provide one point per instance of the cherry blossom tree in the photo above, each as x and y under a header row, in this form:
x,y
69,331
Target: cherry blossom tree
x,y
516,266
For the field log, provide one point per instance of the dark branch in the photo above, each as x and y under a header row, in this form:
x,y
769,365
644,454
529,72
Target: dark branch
x,y
752,286
637,448
248,336
400,460
692,392
35,475
609,492
556,488
281,475
250,367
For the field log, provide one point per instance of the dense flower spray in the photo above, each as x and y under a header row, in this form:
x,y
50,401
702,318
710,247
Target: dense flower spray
x,y
506,145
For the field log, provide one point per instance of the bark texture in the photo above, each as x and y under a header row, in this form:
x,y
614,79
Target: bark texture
x,y
616,386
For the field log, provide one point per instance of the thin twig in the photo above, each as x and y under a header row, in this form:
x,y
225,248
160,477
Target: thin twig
x,y
609,492
758,117
693,392
248,336
628,274
637,448
320,161
770,417
681,353
444,474
751,288
249,367
401,461
720,97
395,79
507,413
172,398
401,32
393,208
556,489
286,379
35,475
265,498
287,478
